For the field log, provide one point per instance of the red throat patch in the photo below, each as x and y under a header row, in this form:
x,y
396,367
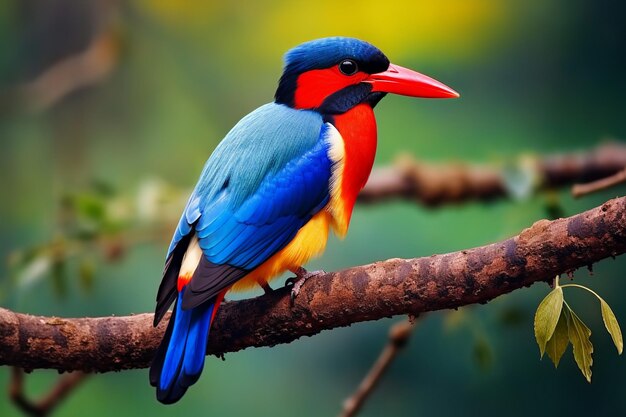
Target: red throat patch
x,y
358,130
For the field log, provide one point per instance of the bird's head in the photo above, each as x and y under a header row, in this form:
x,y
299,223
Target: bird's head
x,y
332,75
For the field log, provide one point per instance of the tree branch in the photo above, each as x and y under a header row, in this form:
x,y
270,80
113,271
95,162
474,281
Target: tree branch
x,y
361,293
46,404
434,185
579,190
399,335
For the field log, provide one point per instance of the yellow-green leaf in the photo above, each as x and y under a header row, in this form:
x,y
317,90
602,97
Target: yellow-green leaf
x,y
610,322
86,271
483,354
547,317
556,346
578,333
454,318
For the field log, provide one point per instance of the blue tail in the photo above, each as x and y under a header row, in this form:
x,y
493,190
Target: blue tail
x,y
180,358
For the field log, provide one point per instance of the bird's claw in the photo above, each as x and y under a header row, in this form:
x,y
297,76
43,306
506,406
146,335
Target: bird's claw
x,y
295,290
297,282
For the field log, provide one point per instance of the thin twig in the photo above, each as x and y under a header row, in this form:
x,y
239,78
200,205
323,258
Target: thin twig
x,y
579,190
398,337
49,401
73,73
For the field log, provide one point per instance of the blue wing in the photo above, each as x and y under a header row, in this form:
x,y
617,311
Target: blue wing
x,y
265,181
246,235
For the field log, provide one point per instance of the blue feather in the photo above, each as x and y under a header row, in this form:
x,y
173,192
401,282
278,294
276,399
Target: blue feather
x,y
327,52
176,347
195,349
262,143
186,349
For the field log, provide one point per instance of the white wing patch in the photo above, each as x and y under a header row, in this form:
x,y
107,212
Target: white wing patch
x,y
191,259
336,206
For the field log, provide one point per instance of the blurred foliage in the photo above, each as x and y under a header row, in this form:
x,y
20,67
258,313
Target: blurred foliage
x,y
161,82
94,221
521,177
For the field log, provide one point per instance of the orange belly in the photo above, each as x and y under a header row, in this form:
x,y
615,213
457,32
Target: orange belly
x,y
310,241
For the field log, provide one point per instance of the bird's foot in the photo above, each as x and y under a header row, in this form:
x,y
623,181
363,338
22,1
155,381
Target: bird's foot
x,y
266,288
296,282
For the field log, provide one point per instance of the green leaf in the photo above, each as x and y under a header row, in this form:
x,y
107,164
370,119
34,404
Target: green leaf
x,y
578,333
556,346
553,206
102,187
454,318
612,326
34,270
90,207
59,278
86,271
483,354
547,317
512,316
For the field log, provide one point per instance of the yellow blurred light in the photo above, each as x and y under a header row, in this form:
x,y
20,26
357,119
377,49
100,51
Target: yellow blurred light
x,y
440,29
398,27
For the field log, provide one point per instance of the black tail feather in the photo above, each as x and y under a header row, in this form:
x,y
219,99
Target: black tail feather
x,y
167,290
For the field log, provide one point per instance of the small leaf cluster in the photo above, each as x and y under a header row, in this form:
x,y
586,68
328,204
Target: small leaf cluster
x,y
556,326
96,219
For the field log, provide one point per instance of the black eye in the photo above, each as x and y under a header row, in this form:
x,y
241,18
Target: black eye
x,y
348,67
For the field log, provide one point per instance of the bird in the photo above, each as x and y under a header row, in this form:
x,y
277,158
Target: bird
x,y
280,181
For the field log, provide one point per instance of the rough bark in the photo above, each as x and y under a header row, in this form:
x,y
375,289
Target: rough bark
x,y
434,185
368,292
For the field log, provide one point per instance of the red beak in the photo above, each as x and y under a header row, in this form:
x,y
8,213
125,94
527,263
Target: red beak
x,y
400,80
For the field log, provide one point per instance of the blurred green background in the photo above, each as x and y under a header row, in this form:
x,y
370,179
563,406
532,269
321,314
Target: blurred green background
x,y
109,109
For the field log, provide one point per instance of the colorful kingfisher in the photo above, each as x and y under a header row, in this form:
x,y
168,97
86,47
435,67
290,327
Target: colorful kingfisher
x,y
267,197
